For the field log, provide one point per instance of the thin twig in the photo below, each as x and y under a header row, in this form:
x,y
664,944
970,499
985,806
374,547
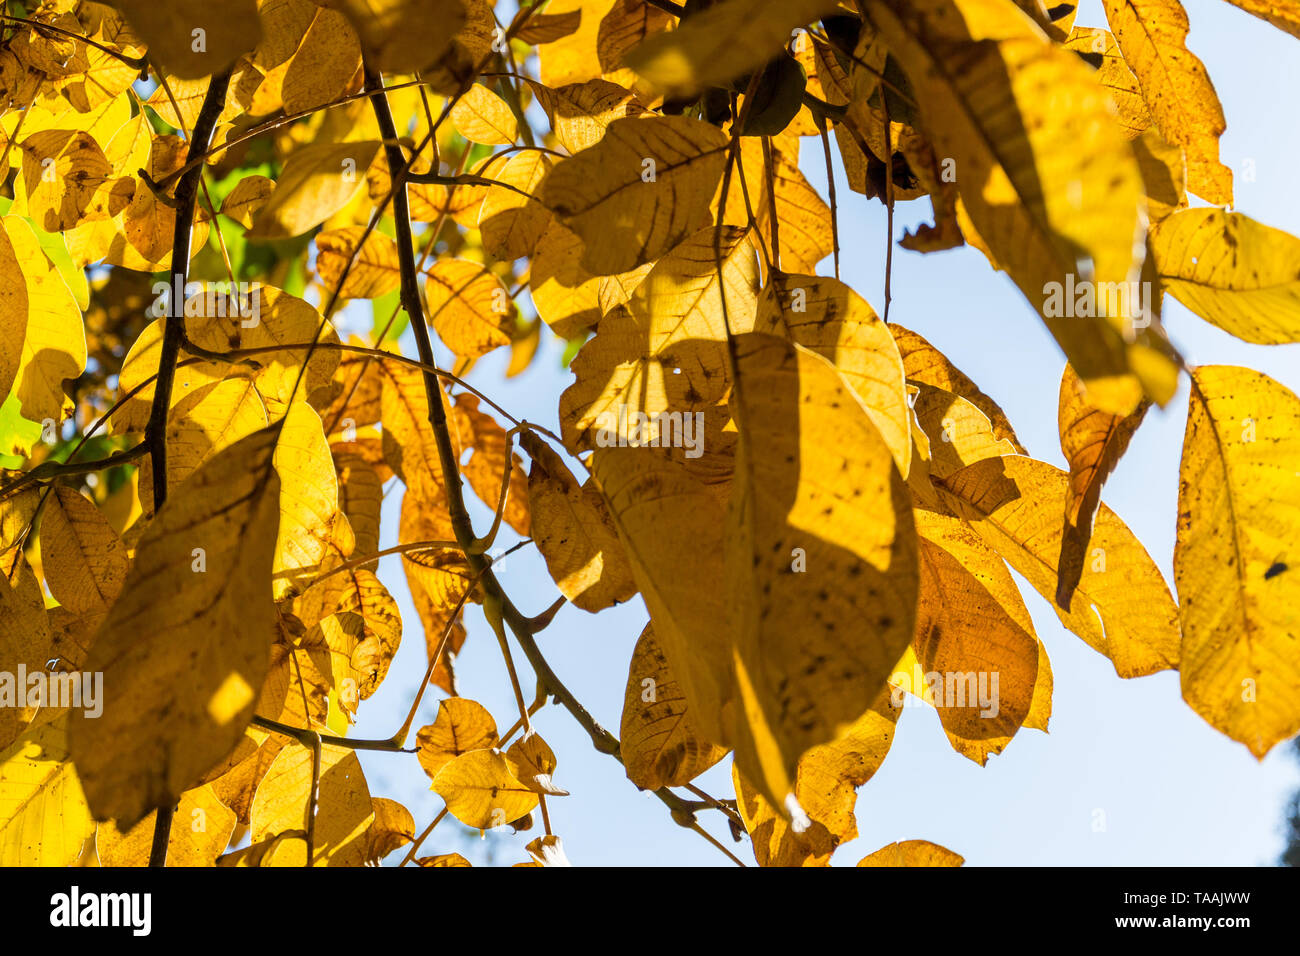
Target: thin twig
x,y
134,62
462,526
830,186
415,844
668,6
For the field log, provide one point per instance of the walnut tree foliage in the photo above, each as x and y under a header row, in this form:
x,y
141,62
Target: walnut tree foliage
x,y
812,502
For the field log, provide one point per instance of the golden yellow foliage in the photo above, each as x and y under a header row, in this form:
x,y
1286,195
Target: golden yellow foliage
x,y
1239,494
263,266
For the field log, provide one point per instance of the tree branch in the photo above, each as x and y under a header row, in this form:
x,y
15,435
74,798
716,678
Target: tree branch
x,y
155,435
462,526
668,6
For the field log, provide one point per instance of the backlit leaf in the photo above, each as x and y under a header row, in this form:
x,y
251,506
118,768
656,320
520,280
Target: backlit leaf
x,y
1235,557
185,650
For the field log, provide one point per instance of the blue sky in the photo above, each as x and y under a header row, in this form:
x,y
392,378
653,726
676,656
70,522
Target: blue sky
x,y
1129,755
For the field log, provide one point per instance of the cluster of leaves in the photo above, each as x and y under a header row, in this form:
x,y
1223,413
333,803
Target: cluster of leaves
x,y
204,533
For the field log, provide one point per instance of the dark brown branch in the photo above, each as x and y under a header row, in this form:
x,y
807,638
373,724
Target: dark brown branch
x,y
668,6
155,435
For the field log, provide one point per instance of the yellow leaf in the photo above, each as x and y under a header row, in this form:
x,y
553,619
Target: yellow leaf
x,y
1232,271
69,181
826,788
361,496
1046,178
828,317
186,646
393,827
194,37
672,530
25,642
288,849
480,790
468,307
659,741
985,660
1235,560
403,36
344,807
1283,14
266,318
566,295
804,219
1121,608
488,461
513,225
309,57
462,725
1164,175
248,196
548,851
141,236
912,853
532,762
959,433
375,269
96,75
199,834
317,181
662,357
642,189
409,443
351,618
605,30
1093,442
926,365
44,820
201,423
309,497
444,859
101,122
16,510
54,341
180,110
85,561
483,117
580,112
990,572
359,384
141,366
574,533
718,44
820,519
1153,37
1094,44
